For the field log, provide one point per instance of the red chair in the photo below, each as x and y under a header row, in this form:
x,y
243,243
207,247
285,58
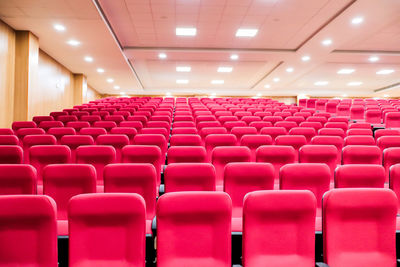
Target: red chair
x,y
31,220
340,125
308,133
315,177
59,132
118,141
361,155
78,125
296,141
311,124
363,140
185,140
17,179
144,154
179,124
332,132
140,178
275,224
360,125
130,132
319,154
74,141
11,154
286,124
16,125
273,131
231,124
99,156
189,154
241,178
359,131
107,125
360,175
240,131
113,227
205,213
9,140
39,119
359,227
152,139
201,178
93,132
392,120
278,156
394,182
134,124
214,140
223,155
255,141
34,140
384,142
63,181
42,155
260,124
391,156
6,131
161,131
385,132
373,116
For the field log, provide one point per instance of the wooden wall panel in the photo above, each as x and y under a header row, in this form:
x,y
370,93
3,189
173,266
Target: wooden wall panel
x,y
7,67
55,90
91,94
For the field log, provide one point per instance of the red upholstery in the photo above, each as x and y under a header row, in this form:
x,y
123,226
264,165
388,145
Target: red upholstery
x,y
144,154
255,141
16,125
273,131
34,140
307,132
152,139
215,140
78,125
183,217
130,132
11,154
359,227
135,124
260,124
185,140
231,124
279,228
28,231
340,125
296,141
244,177
6,131
361,155
385,132
93,132
189,177
286,124
118,141
394,182
240,131
161,131
180,154
332,132
63,181
319,154
178,124
360,175
17,179
278,156
98,156
108,125
388,141
140,178
363,140
223,155
391,156
107,230
9,140
392,120
46,125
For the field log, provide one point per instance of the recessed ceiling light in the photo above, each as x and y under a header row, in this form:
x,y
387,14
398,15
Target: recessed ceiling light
x,y
73,42
246,32
373,58
213,94
321,83
181,81
345,71
110,80
186,31
267,86
386,95
276,79
162,55
384,72
183,69
168,93
234,57
225,69
327,42
59,27
354,83
344,95
306,58
122,93
217,82
289,69
357,20
100,70
116,87
88,59
259,94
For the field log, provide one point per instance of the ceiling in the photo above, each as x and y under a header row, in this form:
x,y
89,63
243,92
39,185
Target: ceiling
x,y
125,37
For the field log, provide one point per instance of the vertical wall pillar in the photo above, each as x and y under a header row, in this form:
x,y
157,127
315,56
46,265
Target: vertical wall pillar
x,y
80,88
26,71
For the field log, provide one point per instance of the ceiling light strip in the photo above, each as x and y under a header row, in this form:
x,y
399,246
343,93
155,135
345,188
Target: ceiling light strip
x,y
114,36
392,86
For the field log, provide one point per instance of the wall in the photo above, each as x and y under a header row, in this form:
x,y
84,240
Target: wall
x,y
54,90
7,65
91,94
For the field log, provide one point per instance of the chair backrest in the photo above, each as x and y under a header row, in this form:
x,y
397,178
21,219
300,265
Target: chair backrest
x,y
241,178
185,140
17,179
215,140
295,141
255,141
9,140
144,154
11,154
93,132
240,131
118,141
392,120
99,156
363,140
152,139
268,217
327,154
359,131
110,226
307,132
359,175
386,132
361,155
278,156
286,124
63,181
373,116
16,125
315,177
42,155
337,124
394,182
359,227
180,215
274,131
181,154
34,140
313,124
32,220
189,177
140,178
388,141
